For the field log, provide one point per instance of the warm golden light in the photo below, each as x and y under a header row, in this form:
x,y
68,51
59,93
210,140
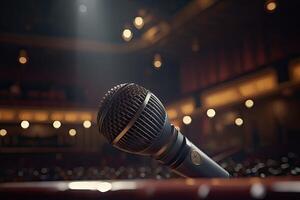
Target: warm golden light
x,y
25,115
221,97
187,119
85,116
157,64
56,124
22,60
239,121
3,132
22,57
138,22
72,132
249,103
41,116
295,70
7,115
210,113
271,6
157,61
237,90
25,124
127,34
187,108
87,124
172,113
71,116
57,116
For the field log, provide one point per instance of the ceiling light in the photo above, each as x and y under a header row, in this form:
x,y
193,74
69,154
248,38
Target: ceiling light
x,y
187,120
239,121
87,124
56,124
138,22
25,124
210,113
127,34
72,132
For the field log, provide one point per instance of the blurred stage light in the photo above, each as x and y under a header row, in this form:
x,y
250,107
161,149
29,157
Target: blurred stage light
x,y
23,60
157,64
25,124
91,185
56,124
82,8
41,116
187,108
57,116
258,191
7,115
87,124
25,115
3,132
172,113
127,34
210,113
71,116
249,103
138,22
23,57
239,121
157,61
72,132
187,120
271,6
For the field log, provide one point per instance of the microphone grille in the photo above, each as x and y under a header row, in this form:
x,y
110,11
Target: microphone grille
x,y
119,106
147,127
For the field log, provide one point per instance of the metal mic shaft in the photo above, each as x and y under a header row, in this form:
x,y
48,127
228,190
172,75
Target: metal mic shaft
x,y
187,160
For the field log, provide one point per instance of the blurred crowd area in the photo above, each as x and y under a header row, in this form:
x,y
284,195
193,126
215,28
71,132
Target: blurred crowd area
x,y
85,173
287,164
80,167
121,166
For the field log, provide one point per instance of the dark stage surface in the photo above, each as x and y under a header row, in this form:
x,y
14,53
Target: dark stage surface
x,y
248,188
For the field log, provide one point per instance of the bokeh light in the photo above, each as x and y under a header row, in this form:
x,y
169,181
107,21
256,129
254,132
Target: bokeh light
x,y
25,124
87,124
72,132
3,132
239,121
187,120
271,6
210,113
138,22
249,103
127,34
56,124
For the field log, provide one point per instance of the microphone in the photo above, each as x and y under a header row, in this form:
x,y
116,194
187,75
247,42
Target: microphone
x,y
134,120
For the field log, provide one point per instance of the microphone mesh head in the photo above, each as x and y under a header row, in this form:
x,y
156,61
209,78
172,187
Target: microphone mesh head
x,y
119,106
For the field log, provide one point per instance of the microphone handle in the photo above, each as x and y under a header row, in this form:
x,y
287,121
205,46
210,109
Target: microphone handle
x,y
184,158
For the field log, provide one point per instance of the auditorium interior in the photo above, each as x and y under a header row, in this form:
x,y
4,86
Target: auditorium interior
x,y
226,71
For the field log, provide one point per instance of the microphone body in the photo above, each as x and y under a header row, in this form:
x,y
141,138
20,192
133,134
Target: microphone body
x,y
133,119
184,158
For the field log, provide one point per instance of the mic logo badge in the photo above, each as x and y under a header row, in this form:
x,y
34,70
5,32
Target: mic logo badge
x,y
195,157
